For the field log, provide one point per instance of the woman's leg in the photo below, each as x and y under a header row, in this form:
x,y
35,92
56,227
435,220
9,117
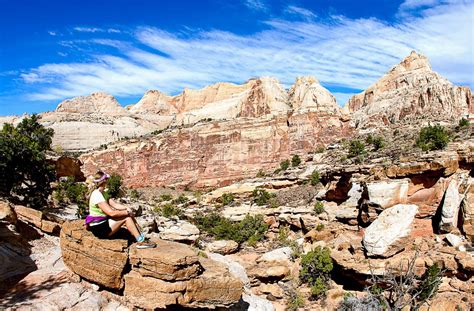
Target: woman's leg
x,y
116,224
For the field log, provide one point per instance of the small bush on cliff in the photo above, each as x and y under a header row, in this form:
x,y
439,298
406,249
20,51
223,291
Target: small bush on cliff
x,y
24,170
261,196
432,138
251,228
166,197
356,148
284,165
169,210
316,267
318,207
314,178
378,143
463,122
182,199
295,160
227,198
113,185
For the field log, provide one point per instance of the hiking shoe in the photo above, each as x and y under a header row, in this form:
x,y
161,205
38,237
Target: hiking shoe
x,y
146,244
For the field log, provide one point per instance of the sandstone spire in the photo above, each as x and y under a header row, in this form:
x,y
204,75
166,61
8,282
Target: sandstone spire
x,y
410,91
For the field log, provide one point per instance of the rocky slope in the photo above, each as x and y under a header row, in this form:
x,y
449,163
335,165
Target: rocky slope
x,y
409,91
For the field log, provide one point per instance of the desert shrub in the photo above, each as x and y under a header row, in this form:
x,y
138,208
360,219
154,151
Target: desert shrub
x,y
295,160
182,199
113,185
369,139
463,122
356,148
251,228
284,240
378,142
318,207
134,194
273,202
295,300
169,210
320,227
400,288
314,179
284,165
73,192
227,198
166,197
316,267
432,138
261,173
320,149
261,196
24,170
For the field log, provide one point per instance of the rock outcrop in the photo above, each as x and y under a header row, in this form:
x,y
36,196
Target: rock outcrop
x,y
410,91
450,207
99,102
307,94
171,274
383,237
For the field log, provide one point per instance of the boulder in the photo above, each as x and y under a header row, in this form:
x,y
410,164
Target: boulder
x,y
36,218
169,261
468,213
450,207
385,236
388,193
101,261
282,254
7,213
215,287
223,247
176,230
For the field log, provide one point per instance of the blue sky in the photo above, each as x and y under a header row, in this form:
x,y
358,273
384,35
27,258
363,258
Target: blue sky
x,y
53,50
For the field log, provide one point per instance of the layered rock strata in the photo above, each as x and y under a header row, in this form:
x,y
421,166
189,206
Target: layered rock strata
x,y
169,275
410,91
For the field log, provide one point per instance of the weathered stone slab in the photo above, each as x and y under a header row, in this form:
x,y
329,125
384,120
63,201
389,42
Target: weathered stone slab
x,y
29,215
450,207
388,193
385,236
214,288
169,261
101,261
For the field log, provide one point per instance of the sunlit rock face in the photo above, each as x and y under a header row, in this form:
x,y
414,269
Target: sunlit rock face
x,y
410,91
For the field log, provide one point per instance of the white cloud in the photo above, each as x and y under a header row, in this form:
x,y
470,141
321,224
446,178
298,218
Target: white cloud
x,y
257,5
52,33
88,29
304,13
340,52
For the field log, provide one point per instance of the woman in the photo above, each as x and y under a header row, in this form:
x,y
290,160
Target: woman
x,y
106,216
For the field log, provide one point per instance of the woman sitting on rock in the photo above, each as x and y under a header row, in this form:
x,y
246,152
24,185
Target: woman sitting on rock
x,y
106,216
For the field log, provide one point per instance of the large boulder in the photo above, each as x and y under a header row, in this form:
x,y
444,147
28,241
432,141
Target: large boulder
x,y
388,193
385,236
100,261
169,275
215,287
450,207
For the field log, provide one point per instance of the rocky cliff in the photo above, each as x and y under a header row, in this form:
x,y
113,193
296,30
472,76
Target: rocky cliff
x,y
410,91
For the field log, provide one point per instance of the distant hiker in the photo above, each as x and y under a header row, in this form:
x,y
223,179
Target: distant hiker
x,y
106,216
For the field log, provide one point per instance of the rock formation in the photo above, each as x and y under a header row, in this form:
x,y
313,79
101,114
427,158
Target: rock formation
x,y
308,95
102,103
410,91
170,275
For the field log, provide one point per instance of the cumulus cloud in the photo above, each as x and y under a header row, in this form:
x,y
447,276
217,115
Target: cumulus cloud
x,y
343,53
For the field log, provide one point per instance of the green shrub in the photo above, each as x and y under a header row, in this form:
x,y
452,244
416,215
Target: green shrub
x,y
430,282
318,207
378,142
463,122
134,194
113,185
251,228
432,138
273,202
169,210
320,227
284,165
261,173
295,300
82,210
261,196
356,148
182,199
316,267
24,170
369,139
314,178
227,198
295,160
166,197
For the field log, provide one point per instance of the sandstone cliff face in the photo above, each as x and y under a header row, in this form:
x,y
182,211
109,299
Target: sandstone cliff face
x,y
410,91
217,153
154,102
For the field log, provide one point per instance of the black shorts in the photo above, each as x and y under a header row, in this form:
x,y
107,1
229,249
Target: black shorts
x,y
101,230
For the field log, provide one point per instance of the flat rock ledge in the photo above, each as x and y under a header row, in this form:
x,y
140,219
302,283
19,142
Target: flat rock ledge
x,y
172,274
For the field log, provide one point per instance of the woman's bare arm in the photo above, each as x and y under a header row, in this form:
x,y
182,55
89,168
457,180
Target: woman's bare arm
x,y
117,205
109,211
